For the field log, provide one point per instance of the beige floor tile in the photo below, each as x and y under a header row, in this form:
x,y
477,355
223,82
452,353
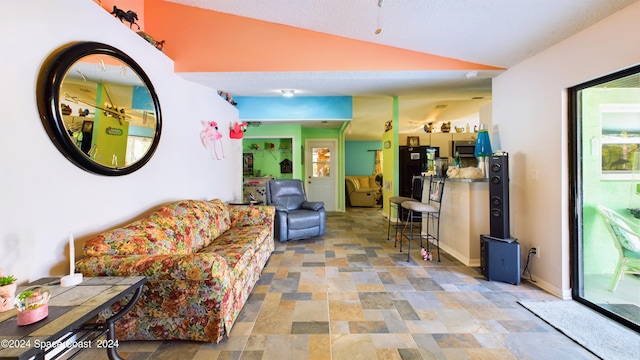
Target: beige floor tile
x,y
490,354
393,341
352,347
319,347
345,310
314,310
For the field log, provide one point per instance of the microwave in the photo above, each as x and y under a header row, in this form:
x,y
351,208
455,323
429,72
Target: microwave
x,y
464,148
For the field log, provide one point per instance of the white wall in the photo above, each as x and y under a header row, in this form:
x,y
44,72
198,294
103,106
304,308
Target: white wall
x,y
530,114
43,196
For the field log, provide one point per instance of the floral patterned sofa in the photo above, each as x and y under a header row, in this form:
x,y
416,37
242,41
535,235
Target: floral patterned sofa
x,y
201,260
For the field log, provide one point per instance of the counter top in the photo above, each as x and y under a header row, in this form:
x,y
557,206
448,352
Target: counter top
x,y
462,180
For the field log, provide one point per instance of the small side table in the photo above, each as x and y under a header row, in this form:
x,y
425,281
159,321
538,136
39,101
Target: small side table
x,y
236,202
69,326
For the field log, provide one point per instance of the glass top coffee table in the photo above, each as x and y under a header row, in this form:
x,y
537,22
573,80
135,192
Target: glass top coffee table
x,y
69,325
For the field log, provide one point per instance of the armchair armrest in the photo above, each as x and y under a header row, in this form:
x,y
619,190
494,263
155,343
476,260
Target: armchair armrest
x,y
197,266
281,208
312,205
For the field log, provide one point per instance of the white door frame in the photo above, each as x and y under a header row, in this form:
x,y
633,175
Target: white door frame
x,y
333,145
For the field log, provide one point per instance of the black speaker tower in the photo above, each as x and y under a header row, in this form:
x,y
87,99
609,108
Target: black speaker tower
x,y
499,196
499,252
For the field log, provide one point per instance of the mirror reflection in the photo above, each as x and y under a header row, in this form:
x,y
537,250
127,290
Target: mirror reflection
x,y
107,111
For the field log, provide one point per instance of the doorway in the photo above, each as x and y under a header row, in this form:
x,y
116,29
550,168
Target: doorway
x,y
604,136
321,172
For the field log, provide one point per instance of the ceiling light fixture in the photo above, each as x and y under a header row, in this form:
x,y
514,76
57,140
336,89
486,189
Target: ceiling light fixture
x,y
288,92
471,75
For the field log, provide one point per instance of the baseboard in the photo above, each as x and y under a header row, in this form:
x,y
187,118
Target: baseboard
x,y
463,259
564,295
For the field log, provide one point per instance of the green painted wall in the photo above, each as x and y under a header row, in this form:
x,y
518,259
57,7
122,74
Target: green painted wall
x,y
599,253
109,148
277,132
267,158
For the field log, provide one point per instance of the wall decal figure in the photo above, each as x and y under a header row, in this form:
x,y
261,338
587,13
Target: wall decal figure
x,y
238,130
210,136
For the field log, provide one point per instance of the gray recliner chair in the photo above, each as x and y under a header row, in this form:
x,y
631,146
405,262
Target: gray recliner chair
x,y
296,218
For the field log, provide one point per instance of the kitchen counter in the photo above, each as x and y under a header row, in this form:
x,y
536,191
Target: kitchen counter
x,y
464,217
459,180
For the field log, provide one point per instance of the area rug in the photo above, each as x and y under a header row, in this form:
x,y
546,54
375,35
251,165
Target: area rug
x,y
598,334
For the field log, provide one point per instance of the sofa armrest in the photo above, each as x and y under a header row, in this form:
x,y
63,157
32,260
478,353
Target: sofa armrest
x,y
251,215
198,266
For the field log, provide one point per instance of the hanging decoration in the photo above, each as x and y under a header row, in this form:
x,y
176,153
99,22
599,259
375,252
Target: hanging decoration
x,y
238,130
379,28
211,137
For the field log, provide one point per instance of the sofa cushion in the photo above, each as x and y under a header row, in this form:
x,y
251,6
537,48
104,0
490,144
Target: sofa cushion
x,y
364,182
181,227
238,246
302,219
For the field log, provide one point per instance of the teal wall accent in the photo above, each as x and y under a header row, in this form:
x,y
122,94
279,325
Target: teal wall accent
x,y
295,108
141,131
141,99
358,159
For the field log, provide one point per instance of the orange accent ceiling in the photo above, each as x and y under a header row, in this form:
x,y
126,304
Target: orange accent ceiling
x,y
200,40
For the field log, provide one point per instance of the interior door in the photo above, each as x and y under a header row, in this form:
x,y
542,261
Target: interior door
x,y
321,172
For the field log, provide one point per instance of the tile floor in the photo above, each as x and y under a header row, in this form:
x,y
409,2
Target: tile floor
x,y
352,295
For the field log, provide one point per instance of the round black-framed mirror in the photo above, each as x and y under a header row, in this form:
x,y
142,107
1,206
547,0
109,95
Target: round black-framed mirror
x,y
99,108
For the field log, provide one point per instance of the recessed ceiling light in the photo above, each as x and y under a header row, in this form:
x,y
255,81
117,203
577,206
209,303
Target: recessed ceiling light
x,y
288,92
471,75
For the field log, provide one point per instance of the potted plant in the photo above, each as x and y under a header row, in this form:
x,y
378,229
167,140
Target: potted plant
x,y
7,292
32,305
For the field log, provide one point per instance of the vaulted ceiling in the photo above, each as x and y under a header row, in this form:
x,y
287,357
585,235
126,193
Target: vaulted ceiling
x,y
428,52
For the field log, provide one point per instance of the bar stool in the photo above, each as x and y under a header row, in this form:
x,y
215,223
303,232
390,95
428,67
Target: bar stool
x,y
395,201
432,209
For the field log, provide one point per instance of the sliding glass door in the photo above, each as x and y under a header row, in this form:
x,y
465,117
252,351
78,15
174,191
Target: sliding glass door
x,y
605,195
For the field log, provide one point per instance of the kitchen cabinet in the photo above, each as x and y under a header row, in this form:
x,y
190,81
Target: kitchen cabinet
x,y
464,136
443,142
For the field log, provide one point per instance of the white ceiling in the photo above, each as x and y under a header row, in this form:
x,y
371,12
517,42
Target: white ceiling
x,y
498,33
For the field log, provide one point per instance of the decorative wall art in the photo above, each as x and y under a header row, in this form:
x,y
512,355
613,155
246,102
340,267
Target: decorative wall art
x,y
286,166
72,81
129,16
413,141
238,130
212,139
226,96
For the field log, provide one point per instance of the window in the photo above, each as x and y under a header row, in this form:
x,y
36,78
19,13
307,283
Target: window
x,y
604,136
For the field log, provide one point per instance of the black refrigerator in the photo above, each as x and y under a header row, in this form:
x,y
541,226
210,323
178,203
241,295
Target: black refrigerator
x,y
413,161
